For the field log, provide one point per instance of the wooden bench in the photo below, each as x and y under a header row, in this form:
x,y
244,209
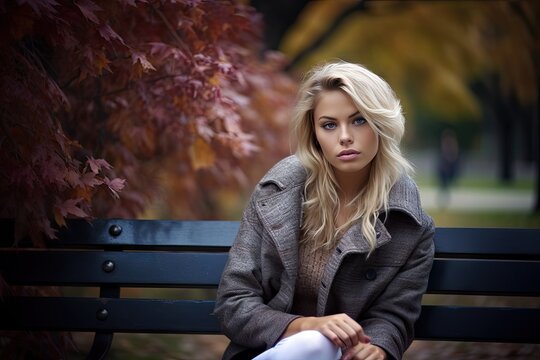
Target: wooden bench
x,y
115,254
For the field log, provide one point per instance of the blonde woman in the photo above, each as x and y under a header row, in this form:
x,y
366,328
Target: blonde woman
x,y
334,250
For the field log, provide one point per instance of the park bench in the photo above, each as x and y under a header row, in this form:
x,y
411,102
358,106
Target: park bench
x,y
115,254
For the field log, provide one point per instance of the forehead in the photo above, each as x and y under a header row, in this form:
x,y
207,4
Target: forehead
x,y
334,103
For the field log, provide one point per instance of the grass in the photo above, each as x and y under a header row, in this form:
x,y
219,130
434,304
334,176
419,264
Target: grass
x,y
481,183
444,218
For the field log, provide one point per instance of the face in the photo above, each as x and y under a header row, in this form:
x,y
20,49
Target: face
x,y
347,141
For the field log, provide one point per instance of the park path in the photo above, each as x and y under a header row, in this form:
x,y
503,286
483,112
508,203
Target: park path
x,y
479,200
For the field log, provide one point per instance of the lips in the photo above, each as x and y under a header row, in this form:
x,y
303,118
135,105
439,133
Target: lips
x,y
348,152
348,155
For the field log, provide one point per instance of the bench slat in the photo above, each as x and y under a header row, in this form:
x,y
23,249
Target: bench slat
x,y
165,269
165,234
484,277
139,234
488,243
183,316
519,325
124,315
219,235
136,269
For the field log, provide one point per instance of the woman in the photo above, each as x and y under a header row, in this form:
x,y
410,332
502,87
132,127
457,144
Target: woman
x,y
334,251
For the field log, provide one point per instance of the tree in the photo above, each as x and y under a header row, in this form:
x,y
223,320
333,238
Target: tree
x,y
108,97
107,106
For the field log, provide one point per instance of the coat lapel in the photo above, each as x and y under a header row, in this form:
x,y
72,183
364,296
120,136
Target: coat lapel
x,y
353,241
281,215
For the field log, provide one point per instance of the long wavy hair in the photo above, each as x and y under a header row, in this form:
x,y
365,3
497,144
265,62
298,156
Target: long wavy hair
x,y
378,104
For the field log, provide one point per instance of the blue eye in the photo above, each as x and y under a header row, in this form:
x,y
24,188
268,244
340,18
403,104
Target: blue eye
x,y
328,126
359,121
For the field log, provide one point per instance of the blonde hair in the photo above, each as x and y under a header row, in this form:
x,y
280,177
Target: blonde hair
x,y
378,104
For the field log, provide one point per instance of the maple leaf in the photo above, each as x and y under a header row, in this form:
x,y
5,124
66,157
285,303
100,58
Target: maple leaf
x,y
73,178
109,34
115,185
90,179
70,207
101,62
97,164
47,229
88,8
142,65
58,218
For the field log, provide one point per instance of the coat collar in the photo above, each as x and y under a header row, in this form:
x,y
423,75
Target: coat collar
x,y
403,197
281,212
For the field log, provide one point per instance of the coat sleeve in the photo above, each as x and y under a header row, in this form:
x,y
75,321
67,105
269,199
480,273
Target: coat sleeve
x,y
390,320
241,309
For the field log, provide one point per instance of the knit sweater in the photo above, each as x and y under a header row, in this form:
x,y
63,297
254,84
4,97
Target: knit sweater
x,y
311,264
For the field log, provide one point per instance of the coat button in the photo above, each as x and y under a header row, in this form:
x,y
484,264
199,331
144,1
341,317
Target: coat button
x,y
378,234
371,274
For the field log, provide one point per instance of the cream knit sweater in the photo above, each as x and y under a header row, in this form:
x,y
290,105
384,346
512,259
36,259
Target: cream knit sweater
x,y
311,264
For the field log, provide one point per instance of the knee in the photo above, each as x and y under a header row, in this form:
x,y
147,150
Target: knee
x,y
317,346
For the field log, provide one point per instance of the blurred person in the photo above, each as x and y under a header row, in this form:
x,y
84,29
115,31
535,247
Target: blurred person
x,y
447,165
334,250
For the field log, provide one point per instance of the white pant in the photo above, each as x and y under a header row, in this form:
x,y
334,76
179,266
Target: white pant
x,y
305,345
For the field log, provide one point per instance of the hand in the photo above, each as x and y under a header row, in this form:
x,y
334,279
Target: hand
x,y
341,329
364,352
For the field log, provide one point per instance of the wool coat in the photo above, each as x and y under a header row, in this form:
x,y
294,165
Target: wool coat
x,y
382,292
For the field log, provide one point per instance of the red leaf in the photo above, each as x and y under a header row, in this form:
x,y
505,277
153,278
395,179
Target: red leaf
x,y
109,34
47,229
70,207
115,185
73,178
140,58
90,179
88,8
97,164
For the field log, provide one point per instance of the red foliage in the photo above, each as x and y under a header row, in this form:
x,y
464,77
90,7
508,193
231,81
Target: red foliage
x,y
172,89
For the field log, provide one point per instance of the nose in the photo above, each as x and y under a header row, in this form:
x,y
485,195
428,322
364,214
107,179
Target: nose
x,y
345,137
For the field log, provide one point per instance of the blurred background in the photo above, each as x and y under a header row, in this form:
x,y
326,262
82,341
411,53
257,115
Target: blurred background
x,y
467,75
174,110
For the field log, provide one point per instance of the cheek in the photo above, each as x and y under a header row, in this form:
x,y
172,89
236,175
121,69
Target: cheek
x,y
373,140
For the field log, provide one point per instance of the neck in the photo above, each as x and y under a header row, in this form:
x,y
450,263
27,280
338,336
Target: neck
x,y
350,185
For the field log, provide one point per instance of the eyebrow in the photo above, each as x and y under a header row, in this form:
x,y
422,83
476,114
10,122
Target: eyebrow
x,y
333,118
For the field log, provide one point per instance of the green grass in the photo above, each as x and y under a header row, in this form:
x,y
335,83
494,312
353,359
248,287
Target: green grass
x,y
444,218
468,182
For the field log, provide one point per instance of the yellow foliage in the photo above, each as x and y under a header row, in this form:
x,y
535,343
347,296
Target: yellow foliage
x,y
201,154
427,51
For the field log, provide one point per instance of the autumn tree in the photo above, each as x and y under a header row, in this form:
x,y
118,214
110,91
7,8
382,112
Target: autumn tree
x,y
108,104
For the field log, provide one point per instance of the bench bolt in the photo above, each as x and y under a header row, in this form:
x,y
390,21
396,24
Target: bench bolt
x,y
102,314
108,266
115,230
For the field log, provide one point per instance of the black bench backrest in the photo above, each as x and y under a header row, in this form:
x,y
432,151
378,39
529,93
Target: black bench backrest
x,y
113,254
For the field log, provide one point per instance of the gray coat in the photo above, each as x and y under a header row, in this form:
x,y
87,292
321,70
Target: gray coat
x,y
383,293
